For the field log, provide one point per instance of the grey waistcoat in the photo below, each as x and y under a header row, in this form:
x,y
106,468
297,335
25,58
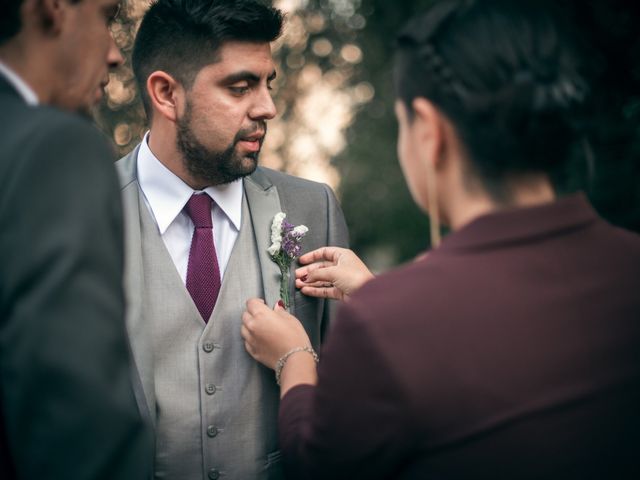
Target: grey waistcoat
x,y
216,408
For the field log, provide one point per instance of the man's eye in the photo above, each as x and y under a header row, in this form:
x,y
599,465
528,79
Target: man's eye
x,y
111,15
239,90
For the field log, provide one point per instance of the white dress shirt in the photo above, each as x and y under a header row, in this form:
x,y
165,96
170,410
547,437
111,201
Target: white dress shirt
x,y
166,195
19,84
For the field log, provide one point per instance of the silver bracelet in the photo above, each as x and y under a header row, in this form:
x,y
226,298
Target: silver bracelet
x,y
283,359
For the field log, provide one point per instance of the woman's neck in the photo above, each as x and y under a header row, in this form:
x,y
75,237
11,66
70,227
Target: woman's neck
x,y
518,192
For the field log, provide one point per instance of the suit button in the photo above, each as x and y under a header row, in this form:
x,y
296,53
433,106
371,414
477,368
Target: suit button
x,y
214,474
210,388
212,431
208,347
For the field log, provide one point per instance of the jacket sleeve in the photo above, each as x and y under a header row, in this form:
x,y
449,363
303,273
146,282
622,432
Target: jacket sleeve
x,y
355,423
66,394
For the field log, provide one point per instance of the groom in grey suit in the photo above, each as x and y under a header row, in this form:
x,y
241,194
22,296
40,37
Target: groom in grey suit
x,y
205,69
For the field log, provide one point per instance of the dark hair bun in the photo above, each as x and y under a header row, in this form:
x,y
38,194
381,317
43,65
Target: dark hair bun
x,y
507,76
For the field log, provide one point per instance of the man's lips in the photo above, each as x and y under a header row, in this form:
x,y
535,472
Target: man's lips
x,y
254,137
252,142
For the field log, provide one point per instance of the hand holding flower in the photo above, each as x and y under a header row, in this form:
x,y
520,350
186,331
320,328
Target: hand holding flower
x,y
269,334
331,272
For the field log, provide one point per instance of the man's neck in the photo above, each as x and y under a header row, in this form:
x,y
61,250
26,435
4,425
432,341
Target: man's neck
x,y
31,68
162,143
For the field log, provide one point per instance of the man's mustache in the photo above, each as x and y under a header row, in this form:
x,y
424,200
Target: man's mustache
x,y
257,129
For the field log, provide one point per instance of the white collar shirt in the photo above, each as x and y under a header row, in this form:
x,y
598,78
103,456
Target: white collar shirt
x,y
166,195
25,91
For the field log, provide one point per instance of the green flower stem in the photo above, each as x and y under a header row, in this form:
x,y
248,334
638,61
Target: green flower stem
x,y
284,285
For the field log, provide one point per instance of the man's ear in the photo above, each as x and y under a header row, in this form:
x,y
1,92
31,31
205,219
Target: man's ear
x,y
166,94
429,130
49,15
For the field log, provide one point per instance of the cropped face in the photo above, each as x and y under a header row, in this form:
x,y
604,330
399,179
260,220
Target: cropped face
x,y
223,125
87,52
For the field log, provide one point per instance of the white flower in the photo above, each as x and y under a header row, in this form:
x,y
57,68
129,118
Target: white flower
x,y
274,248
300,231
285,247
276,229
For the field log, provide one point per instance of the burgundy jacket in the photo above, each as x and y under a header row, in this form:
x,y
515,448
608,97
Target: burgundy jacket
x,y
511,352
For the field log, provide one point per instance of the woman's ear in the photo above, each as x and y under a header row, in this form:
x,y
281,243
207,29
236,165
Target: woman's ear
x,y
429,130
166,95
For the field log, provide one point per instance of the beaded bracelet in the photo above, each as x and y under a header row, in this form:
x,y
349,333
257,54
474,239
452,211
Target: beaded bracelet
x,y
283,359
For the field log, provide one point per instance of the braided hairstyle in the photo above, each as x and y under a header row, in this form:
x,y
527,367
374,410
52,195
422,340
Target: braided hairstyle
x,y
504,73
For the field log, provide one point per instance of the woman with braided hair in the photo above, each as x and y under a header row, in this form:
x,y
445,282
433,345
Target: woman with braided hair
x,y
512,350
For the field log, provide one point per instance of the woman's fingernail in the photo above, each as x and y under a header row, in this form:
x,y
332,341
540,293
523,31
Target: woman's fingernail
x,y
304,278
280,303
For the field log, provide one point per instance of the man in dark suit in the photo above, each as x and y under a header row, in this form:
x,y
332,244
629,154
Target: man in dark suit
x,y
67,408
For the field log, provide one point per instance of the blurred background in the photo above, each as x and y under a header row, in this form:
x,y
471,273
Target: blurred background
x,y
335,120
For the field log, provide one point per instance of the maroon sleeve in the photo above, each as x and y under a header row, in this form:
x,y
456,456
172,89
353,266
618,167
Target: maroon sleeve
x,y
355,423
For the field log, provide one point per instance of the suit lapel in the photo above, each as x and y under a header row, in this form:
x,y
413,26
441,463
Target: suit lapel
x,y
138,330
264,203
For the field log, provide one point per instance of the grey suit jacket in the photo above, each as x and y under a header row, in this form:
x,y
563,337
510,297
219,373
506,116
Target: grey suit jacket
x,y
267,193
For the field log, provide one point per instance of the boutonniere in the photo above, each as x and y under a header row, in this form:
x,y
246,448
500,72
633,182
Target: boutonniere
x,y
286,243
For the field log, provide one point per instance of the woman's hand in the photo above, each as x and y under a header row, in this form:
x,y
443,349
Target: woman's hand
x,y
331,272
269,334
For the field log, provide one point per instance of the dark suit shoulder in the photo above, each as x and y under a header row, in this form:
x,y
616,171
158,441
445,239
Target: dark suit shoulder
x,y
42,119
44,145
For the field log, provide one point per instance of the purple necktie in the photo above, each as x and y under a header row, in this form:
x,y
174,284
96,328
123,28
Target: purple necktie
x,y
203,273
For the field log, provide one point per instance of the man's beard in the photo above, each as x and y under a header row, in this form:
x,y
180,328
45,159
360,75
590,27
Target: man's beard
x,y
214,167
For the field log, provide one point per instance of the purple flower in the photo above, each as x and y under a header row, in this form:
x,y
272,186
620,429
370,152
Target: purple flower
x,y
286,246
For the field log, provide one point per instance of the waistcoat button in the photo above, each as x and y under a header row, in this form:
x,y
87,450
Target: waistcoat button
x,y
210,388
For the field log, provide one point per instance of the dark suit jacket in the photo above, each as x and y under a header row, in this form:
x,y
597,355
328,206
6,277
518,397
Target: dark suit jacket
x,y
510,352
67,409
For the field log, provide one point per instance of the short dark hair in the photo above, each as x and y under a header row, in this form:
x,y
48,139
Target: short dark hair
x,y
10,22
505,73
180,37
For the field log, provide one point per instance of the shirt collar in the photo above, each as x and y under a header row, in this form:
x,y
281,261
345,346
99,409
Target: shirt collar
x,y
167,194
25,91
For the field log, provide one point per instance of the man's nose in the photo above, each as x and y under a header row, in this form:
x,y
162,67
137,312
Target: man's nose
x,y
114,56
263,108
